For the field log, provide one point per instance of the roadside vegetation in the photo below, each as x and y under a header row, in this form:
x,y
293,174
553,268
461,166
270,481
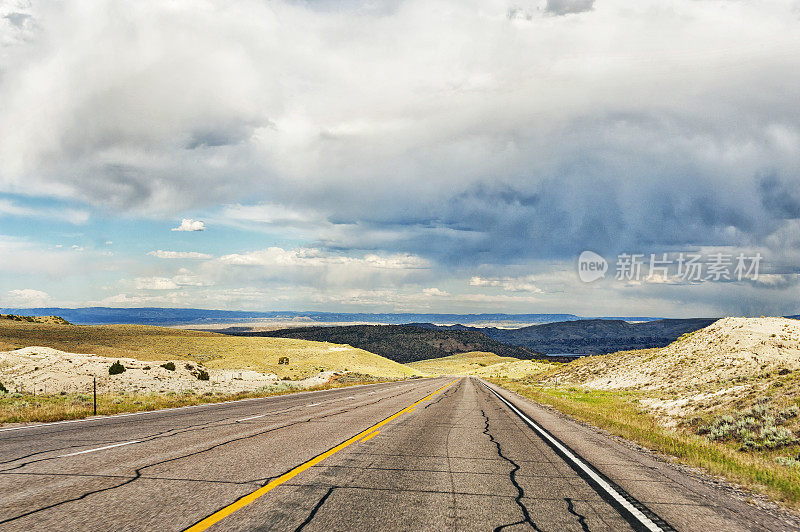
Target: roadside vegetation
x,y
29,408
139,368
35,319
213,350
725,398
759,464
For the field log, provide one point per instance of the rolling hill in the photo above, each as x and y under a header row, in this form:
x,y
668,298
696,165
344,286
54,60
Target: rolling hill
x,y
483,365
591,337
402,343
460,364
215,351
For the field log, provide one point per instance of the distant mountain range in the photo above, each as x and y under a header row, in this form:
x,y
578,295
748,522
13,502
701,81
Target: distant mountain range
x,y
421,341
188,316
590,337
541,333
401,343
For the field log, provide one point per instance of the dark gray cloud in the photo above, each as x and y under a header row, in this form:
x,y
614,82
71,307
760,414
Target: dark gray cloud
x,y
19,20
566,7
454,131
780,198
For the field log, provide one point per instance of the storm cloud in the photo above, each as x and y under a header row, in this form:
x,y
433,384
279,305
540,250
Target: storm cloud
x,y
445,130
565,7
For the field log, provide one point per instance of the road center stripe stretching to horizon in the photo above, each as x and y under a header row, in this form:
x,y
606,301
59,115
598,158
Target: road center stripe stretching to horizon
x,y
252,497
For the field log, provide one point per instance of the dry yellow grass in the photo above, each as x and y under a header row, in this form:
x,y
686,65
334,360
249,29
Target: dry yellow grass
x,y
35,319
460,364
27,408
695,399
620,413
216,351
517,369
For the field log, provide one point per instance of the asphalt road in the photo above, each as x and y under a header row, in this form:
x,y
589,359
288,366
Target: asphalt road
x,y
433,454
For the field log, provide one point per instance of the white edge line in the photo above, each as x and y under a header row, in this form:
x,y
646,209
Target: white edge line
x,y
646,521
313,404
100,448
113,416
251,417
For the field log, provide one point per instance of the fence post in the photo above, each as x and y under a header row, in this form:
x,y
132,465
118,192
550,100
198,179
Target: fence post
x,y
94,389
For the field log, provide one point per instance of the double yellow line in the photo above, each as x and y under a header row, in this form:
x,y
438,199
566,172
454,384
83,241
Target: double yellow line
x,y
260,492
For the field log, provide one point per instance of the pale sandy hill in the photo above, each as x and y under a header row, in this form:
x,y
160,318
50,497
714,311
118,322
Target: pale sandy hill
x,y
216,351
47,370
730,365
730,350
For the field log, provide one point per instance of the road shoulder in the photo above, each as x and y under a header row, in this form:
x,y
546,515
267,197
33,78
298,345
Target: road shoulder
x,y
685,497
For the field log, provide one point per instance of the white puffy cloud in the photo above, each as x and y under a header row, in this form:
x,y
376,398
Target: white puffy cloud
x,y
161,254
155,283
187,107
185,277
317,269
165,299
310,257
251,216
26,297
511,284
434,292
188,224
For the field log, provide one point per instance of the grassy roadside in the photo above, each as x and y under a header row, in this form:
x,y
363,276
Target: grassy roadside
x,y
214,351
618,413
28,408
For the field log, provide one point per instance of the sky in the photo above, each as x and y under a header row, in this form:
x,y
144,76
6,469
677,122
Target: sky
x,y
425,156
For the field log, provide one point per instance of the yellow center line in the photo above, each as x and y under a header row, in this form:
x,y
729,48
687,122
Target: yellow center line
x,y
260,492
368,436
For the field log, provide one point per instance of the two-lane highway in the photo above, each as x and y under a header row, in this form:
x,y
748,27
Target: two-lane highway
x,y
428,454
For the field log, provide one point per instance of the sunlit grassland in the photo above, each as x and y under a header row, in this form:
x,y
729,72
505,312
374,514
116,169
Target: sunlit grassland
x,y
215,351
460,364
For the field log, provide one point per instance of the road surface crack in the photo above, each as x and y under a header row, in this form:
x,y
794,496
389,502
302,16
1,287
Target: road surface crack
x,y
201,426
441,396
172,432
151,437
138,472
513,476
581,517
315,510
